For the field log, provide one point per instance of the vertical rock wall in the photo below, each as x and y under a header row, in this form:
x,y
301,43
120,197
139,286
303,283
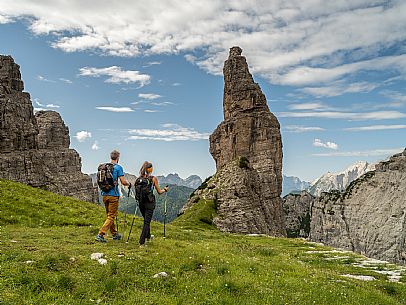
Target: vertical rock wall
x,y
34,149
369,217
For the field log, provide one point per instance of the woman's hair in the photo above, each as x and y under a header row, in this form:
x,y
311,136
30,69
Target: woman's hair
x,y
143,170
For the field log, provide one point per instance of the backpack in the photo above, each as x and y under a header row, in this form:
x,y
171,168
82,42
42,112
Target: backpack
x,y
105,179
143,187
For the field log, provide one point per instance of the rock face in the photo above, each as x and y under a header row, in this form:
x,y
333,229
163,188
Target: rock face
x,y
18,127
53,133
247,148
370,216
296,208
34,149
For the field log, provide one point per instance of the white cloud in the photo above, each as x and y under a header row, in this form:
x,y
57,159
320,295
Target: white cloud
x,y
319,143
308,75
376,127
176,84
115,109
339,88
65,80
302,43
318,106
83,135
95,146
299,129
161,103
152,63
365,153
397,97
149,96
53,106
151,110
172,132
376,115
43,106
36,109
5,19
43,79
117,75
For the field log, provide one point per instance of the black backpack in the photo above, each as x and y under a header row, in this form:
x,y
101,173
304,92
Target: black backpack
x,y
105,179
143,187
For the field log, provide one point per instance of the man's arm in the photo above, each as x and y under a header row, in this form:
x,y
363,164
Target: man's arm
x,y
123,181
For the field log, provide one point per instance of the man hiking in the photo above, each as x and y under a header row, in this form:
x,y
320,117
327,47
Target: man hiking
x,y
144,188
107,178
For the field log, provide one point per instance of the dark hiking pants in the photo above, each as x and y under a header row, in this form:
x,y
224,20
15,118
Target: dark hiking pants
x,y
146,211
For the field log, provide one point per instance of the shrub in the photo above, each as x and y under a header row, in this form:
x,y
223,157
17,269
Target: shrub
x,y
243,162
204,184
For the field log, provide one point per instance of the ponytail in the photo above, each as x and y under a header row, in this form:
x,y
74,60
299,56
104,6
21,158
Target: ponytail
x,y
143,170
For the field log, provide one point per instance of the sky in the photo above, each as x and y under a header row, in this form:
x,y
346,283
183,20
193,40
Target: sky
x,y
145,77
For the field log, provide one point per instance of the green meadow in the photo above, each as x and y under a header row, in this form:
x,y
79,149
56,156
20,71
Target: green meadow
x,y
46,242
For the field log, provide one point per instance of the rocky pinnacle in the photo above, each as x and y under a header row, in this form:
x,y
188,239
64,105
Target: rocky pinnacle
x,y
249,131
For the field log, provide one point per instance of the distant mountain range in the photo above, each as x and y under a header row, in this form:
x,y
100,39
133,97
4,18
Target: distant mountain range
x,y
192,181
291,184
328,181
339,181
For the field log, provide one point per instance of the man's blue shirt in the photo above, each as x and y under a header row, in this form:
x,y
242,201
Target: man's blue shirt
x,y
117,172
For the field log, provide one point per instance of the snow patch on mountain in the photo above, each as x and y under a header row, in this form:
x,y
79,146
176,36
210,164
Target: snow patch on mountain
x,y
341,180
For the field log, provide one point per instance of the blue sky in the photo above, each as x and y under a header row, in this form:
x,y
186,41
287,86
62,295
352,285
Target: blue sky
x,y
145,78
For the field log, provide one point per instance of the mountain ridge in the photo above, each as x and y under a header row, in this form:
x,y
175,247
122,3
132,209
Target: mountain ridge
x,y
339,180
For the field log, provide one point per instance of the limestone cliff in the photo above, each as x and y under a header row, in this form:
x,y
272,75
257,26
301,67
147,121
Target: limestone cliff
x,y
296,208
247,148
34,149
370,216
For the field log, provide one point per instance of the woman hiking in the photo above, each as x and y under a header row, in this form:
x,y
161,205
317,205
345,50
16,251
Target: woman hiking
x,y
147,199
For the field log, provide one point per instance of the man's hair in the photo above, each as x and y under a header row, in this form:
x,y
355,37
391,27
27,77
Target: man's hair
x,y
114,155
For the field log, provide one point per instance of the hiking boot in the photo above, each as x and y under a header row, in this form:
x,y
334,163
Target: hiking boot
x,y
100,238
151,238
117,236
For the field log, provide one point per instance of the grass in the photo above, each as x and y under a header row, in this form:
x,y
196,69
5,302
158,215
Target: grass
x,y
46,248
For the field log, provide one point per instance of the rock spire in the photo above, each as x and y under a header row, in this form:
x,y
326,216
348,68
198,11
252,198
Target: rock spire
x,y
247,148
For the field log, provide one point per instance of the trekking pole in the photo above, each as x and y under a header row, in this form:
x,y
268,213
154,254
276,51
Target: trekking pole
x,y
166,197
126,210
132,223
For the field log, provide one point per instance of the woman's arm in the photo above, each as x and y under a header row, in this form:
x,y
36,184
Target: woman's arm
x,y
155,181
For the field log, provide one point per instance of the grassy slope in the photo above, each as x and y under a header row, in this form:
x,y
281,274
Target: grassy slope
x,y
204,265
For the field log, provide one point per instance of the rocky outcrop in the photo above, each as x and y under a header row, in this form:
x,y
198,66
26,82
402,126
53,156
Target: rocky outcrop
x,y
296,208
247,148
370,216
53,133
34,149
